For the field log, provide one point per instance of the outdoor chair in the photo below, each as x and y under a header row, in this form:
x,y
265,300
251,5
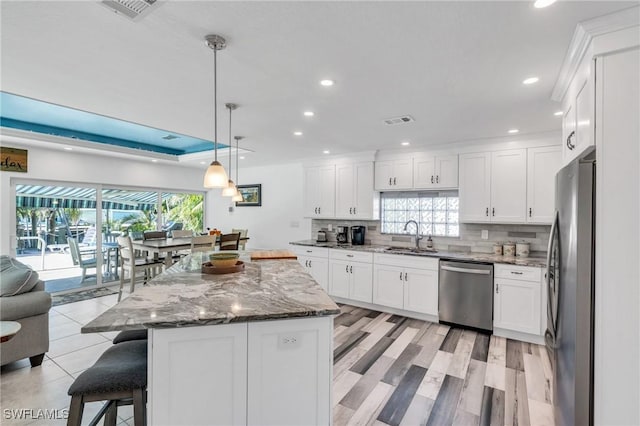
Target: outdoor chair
x,y
154,235
243,234
230,241
209,240
179,233
85,260
129,262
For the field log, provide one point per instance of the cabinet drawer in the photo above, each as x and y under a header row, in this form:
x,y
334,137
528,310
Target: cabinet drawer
x,y
513,272
310,251
406,261
351,255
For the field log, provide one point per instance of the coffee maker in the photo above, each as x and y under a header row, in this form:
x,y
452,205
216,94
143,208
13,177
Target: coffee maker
x,y
342,234
357,235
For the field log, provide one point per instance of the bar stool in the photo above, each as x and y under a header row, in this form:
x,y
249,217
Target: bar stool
x,y
129,335
119,376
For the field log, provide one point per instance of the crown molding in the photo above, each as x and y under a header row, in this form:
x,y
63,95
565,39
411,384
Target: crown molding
x,y
583,35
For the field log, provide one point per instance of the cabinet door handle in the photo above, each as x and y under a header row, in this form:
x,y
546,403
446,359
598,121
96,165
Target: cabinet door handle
x,y
350,210
346,268
497,288
405,277
529,211
437,179
306,263
309,264
431,178
570,145
354,210
319,210
487,212
390,181
351,269
349,255
394,181
309,251
493,211
400,276
516,273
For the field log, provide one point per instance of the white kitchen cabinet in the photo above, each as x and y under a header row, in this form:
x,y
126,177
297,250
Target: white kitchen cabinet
x,y
475,187
517,303
316,261
542,165
406,282
435,172
319,191
584,117
508,186
355,194
351,275
394,174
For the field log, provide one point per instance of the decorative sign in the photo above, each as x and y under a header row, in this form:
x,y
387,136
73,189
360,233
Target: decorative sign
x,y
13,160
252,195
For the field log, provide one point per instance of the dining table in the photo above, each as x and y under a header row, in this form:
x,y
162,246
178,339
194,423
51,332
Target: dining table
x,y
167,246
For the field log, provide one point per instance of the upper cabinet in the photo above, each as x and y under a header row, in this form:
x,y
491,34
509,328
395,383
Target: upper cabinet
x,y
475,187
355,195
542,165
435,172
394,174
508,186
319,191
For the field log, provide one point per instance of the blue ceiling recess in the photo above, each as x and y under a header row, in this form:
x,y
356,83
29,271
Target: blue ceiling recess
x,y
18,112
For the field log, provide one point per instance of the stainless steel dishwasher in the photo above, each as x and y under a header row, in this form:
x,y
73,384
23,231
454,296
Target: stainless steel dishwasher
x,y
465,294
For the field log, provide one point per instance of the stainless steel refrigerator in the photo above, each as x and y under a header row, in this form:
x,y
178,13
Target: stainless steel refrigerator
x,y
570,289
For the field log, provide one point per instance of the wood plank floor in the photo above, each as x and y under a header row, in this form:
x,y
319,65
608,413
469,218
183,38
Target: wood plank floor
x,y
392,370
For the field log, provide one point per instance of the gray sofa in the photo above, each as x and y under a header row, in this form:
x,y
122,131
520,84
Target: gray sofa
x,y
23,299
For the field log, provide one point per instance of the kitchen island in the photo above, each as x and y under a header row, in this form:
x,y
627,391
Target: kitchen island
x,y
253,347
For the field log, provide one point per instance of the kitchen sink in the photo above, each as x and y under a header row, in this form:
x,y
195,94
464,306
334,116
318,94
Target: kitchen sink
x,y
410,250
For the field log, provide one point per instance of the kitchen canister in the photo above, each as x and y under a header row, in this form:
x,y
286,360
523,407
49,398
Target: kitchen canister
x,y
509,249
522,249
497,249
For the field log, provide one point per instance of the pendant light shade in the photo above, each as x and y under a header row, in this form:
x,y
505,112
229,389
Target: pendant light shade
x,y
215,176
230,190
238,196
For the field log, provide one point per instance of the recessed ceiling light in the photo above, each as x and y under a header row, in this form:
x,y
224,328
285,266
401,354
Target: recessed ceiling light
x,y
326,151
68,148
242,158
309,114
557,113
530,80
297,133
405,143
513,131
154,161
326,83
539,4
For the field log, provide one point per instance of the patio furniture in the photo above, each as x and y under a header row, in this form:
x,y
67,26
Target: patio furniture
x,y
118,376
154,235
179,233
23,300
230,241
203,243
82,259
128,261
243,236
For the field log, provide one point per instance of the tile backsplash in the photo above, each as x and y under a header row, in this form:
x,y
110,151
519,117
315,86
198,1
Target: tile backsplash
x,y
469,240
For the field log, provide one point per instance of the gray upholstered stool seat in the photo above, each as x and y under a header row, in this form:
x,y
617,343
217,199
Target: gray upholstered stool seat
x,y
128,335
118,376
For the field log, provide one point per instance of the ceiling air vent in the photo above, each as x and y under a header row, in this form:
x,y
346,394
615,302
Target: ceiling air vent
x,y
170,137
132,9
398,120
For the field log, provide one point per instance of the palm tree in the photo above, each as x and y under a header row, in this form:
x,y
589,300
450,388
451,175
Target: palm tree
x,y
187,209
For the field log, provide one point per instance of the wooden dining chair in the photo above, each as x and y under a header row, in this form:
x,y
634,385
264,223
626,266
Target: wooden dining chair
x,y
203,243
129,262
243,234
230,241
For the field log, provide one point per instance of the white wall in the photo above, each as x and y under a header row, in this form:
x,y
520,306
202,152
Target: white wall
x,y
71,167
279,220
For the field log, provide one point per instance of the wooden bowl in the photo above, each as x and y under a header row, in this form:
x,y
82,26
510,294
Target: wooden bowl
x,y
223,260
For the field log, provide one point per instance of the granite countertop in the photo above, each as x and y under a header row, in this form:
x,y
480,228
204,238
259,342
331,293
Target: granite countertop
x,y
536,259
182,296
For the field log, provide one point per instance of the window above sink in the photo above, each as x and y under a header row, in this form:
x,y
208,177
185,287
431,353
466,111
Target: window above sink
x,y
435,211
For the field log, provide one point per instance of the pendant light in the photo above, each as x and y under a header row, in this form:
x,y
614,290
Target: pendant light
x,y
215,176
238,196
230,190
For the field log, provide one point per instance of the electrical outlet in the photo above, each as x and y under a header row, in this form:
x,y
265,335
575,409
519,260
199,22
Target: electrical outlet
x,y
230,209
288,341
484,234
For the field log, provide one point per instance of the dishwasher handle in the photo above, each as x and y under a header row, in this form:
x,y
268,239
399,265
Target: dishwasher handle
x,y
466,270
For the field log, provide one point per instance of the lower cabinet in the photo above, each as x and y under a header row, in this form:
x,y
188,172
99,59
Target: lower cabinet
x,y
259,373
350,280
518,303
318,268
406,282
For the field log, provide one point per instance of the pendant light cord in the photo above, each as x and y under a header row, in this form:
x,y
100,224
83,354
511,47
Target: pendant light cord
x,y
237,155
230,111
215,103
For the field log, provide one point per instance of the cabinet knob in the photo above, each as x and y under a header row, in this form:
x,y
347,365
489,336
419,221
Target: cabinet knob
x,y
570,145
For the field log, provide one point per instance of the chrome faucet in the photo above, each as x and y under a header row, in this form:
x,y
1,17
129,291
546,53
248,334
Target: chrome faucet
x,y
418,236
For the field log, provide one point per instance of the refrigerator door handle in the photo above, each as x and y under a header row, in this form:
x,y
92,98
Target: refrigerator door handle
x,y
552,285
